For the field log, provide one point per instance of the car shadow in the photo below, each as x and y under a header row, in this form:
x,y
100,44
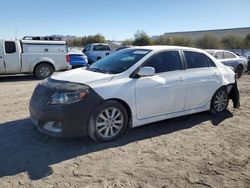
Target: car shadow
x,y
24,149
17,78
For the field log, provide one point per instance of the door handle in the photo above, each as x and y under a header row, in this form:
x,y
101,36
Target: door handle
x,y
181,79
1,57
215,75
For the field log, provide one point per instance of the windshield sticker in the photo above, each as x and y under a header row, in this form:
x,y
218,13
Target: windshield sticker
x,y
140,52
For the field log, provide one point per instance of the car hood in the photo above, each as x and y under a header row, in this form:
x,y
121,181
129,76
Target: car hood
x,y
83,76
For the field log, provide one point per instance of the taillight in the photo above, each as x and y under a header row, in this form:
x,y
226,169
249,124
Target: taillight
x,y
67,58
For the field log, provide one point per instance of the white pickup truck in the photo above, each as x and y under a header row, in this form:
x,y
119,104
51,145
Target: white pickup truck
x,y
41,58
96,51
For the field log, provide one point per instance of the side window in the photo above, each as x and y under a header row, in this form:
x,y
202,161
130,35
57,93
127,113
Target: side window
x,y
10,47
210,62
101,48
228,55
196,60
165,61
86,49
218,55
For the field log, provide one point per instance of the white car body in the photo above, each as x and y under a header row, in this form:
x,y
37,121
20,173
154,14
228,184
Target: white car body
x,y
163,95
29,53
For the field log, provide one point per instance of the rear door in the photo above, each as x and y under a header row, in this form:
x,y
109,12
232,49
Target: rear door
x,y
203,79
12,57
2,67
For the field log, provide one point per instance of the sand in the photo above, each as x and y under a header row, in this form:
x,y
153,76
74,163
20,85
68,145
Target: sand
x,y
200,150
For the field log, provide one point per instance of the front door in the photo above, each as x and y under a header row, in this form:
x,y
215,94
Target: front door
x,y
12,57
2,67
164,92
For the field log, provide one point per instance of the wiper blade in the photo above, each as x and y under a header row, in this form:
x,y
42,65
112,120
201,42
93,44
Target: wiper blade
x,y
98,70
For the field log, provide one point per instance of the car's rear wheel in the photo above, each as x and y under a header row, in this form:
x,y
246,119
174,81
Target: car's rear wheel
x,y
219,101
108,121
239,71
43,70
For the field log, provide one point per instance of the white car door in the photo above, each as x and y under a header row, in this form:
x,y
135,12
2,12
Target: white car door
x,y
2,67
203,79
12,57
164,92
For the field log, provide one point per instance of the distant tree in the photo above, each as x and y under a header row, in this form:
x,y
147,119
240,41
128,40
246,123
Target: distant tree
x,y
98,38
141,39
163,40
208,41
175,40
127,42
75,42
83,41
247,41
181,41
232,42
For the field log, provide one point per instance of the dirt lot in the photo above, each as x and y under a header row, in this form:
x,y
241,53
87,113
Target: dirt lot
x,y
200,150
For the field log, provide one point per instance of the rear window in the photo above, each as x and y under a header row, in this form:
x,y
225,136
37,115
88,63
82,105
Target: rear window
x,y
228,55
101,48
10,47
219,55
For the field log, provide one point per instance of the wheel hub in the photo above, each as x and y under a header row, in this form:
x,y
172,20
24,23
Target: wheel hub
x,y
109,122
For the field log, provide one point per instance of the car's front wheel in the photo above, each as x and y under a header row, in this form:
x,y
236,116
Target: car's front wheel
x,y
219,101
108,121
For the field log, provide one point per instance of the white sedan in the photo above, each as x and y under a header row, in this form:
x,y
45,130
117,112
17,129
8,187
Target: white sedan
x,y
130,88
228,58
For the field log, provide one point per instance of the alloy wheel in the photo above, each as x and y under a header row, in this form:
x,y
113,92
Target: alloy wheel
x,y
109,122
220,101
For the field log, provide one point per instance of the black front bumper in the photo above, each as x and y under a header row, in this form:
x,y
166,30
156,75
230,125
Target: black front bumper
x,y
73,118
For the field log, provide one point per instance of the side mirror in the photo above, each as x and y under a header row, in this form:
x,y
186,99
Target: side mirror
x,y
146,71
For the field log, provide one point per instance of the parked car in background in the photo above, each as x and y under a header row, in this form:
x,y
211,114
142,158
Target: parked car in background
x,y
96,51
77,58
247,55
122,47
130,88
39,57
228,58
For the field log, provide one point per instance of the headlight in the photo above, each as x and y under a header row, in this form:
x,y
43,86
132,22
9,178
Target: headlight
x,y
67,98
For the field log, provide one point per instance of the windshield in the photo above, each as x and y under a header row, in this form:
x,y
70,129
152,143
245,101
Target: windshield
x,y
119,61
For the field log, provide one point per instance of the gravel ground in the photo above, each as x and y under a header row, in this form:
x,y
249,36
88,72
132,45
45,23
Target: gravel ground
x,y
199,150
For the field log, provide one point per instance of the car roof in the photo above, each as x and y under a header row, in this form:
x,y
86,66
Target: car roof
x,y
167,47
218,50
100,44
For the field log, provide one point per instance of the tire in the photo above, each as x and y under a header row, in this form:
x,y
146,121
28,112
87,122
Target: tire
x,y
239,71
102,127
219,101
44,70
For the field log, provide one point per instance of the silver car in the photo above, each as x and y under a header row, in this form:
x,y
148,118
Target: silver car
x,y
230,59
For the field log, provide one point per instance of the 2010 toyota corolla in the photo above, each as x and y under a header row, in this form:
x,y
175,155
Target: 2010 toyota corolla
x,y
130,88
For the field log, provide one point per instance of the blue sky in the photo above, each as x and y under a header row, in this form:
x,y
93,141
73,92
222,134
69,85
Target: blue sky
x,y
119,19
